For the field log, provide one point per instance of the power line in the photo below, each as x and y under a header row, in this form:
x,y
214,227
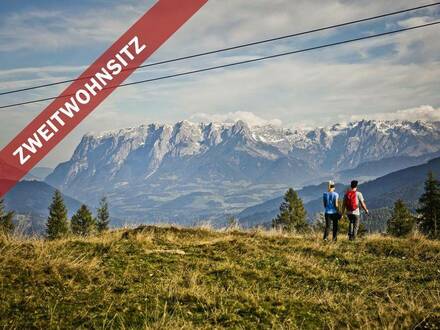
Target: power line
x,y
234,47
237,63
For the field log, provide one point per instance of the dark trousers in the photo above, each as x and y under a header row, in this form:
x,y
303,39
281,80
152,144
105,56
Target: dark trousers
x,y
329,220
353,226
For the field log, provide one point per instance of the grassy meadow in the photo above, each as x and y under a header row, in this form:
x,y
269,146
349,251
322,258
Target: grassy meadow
x,y
171,278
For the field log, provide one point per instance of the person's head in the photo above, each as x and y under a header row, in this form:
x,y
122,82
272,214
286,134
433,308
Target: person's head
x,y
331,186
354,184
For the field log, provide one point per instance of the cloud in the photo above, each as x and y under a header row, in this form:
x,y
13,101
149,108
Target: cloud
x,y
231,117
359,80
55,69
424,113
52,30
293,90
414,21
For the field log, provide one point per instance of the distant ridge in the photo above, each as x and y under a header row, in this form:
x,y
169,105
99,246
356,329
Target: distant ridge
x,y
406,184
160,173
32,198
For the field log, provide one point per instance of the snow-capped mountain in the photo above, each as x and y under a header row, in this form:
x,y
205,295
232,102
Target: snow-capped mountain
x,y
220,166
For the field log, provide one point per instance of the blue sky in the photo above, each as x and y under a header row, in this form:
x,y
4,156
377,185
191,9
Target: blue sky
x,y
393,77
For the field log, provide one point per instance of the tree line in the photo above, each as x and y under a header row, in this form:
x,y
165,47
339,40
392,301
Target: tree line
x,y
427,218
82,222
292,216
58,225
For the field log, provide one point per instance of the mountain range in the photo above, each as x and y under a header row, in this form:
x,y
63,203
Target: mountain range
x,y
187,172
38,173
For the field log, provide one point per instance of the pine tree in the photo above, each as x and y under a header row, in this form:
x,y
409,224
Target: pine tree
x,y
103,216
6,220
429,211
401,223
292,216
83,222
57,223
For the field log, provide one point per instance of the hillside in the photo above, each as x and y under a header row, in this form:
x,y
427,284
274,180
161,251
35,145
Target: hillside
x,y
32,198
38,173
155,277
380,193
373,169
264,213
406,184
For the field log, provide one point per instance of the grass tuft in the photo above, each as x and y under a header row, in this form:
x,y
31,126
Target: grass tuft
x,y
167,277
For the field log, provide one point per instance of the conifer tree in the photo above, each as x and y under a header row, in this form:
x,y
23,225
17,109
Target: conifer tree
x,y
292,216
429,211
6,220
83,222
57,223
103,216
401,223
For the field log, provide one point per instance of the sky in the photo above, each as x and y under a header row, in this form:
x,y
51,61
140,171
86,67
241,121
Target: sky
x,y
392,77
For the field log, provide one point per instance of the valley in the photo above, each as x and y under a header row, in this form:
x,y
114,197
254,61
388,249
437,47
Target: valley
x,y
190,173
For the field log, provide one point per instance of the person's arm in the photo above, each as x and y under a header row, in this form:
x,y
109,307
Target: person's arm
x,y
324,200
364,206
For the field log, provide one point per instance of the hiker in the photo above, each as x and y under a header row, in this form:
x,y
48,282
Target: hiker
x,y
332,215
352,200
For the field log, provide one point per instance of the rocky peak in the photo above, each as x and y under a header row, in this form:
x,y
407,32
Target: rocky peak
x,y
140,151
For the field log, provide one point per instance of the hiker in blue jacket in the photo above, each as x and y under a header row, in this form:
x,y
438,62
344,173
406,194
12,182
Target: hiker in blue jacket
x,y
332,215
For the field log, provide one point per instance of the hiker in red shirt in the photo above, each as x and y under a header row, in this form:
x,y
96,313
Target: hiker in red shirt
x,y
352,200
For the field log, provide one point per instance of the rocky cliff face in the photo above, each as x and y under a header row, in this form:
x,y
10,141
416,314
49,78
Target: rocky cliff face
x,y
151,164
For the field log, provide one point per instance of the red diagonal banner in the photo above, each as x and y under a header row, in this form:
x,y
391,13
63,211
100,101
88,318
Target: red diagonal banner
x,y
92,87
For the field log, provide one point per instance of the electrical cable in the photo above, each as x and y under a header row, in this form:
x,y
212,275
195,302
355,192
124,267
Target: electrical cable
x,y
238,63
234,47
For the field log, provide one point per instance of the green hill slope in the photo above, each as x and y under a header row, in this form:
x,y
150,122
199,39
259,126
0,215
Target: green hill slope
x,y
381,193
192,278
32,198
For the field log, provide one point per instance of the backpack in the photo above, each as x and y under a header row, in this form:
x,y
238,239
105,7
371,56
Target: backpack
x,y
351,201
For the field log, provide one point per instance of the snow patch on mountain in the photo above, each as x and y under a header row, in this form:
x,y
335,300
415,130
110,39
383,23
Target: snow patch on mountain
x,y
155,163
